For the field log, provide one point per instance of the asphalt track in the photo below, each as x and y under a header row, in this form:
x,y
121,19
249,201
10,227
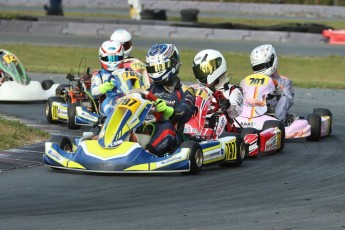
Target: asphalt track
x,y
299,188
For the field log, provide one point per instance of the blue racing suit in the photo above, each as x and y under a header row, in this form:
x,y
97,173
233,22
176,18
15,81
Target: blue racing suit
x,y
182,99
98,78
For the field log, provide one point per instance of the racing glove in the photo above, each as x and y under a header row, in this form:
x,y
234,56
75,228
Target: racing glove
x,y
161,107
218,95
224,104
106,86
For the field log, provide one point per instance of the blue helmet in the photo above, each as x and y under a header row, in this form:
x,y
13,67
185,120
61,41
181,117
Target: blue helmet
x,y
162,62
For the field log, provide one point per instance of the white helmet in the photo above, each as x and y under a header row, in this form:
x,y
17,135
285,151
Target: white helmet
x,y
264,60
209,67
111,55
162,62
125,38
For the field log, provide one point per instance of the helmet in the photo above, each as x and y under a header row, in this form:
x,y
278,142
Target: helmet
x,y
209,67
162,62
264,60
125,38
111,55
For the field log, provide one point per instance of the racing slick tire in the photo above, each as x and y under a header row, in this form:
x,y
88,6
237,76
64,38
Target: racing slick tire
x,y
314,120
280,125
48,109
324,113
246,131
196,157
240,150
71,113
64,143
47,84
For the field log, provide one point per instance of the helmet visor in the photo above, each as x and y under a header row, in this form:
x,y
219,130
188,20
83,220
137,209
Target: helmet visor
x,y
202,70
112,58
156,68
127,45
263,66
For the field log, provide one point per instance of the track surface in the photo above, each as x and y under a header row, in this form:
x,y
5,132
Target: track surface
x,y
300,188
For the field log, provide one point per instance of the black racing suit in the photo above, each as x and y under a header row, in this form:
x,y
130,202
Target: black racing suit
x,y
182,99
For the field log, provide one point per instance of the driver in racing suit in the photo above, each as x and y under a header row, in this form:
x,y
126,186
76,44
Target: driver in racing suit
x,y
264,60
175,101
111,58
209,68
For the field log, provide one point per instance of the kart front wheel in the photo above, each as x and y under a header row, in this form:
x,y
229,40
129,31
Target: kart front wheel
x,y
325,113
240,151
64,143
49,109
314,120
244,133
196,157
71,113
280,125
47,84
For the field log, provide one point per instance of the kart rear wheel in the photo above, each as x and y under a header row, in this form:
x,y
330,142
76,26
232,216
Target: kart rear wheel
x,y
279,125
240,151
64,143
48,109
47,84
324,113
314,120
196,157
71,113
246,131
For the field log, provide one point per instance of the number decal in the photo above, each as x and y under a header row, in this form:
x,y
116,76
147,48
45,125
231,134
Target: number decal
x,y
230,150
10,58
128,102
257,80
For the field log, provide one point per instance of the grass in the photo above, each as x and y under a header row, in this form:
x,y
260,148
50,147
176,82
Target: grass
x,y
306,72
15,134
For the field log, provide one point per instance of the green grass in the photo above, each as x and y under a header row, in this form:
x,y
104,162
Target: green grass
x,y
306,72
15,134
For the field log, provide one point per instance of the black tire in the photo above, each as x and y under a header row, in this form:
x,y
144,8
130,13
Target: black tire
x,y
64,143
196,157
246,131
240,151
71,113
280,125
47,84
48,108
324,113
314,120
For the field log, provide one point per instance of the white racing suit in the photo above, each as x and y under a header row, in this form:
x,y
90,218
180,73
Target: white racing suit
x,y
235,96
283,100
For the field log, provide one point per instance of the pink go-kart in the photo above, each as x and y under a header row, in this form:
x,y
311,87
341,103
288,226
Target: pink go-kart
x,y
256,117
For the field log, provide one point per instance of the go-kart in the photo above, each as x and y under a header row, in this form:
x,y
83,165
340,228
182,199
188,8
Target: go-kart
x,y
120,145
210,122
256,116
15,84
70,98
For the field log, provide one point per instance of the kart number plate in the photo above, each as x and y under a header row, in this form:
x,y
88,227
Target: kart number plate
x,y
230,150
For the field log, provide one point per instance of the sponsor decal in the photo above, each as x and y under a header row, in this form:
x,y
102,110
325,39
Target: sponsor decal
x,y
172,160
115,144
247,124
271,144
53,154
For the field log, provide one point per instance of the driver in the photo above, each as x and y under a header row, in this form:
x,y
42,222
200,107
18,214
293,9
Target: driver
x,y
176,101
264,60
209,68
111,55
125,38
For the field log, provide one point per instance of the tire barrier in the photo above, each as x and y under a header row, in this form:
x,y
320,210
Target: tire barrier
x,y
155,14
189,15
287,27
